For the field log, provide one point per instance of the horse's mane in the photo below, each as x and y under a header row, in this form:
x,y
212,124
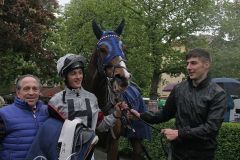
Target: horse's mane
x,y
91,69
94,82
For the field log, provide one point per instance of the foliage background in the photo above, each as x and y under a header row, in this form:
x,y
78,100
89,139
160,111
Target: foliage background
x,y
228,142
32,41
152,29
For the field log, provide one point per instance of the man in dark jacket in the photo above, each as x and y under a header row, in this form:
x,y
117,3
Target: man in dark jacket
x,y
198,104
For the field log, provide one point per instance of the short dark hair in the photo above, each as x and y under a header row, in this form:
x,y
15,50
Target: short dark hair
x,y
20,78
199,53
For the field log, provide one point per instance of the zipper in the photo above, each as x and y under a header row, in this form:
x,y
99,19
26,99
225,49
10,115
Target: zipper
x,y
35,119
34,116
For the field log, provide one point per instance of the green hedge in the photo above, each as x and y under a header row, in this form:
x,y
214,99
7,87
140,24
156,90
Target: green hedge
x,y
228,140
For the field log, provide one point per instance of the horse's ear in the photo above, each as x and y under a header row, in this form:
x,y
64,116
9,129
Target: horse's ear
x,y
119,29
96,29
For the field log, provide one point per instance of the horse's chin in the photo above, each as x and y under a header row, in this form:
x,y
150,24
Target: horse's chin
x,y
118,88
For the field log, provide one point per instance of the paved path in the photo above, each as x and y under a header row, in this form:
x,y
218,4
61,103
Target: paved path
x,y
100,155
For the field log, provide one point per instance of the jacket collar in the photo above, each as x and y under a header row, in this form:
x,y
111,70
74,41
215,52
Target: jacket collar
x,y
24,105
202,84
77,91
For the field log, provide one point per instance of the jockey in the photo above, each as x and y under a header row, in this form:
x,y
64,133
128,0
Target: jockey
x,y
74,103
74,100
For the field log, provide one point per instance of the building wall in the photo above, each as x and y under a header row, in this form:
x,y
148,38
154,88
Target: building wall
x,y
165,80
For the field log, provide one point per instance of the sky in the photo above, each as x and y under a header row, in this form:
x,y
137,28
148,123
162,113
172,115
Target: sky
x,y
63,2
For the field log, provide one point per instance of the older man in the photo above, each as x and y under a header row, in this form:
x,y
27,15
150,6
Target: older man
x,y
20,121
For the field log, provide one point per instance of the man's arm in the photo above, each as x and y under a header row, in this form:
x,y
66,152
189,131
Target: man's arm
x,y
164,115
106,122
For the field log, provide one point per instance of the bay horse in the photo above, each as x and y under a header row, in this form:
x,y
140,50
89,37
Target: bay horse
x,y
109,79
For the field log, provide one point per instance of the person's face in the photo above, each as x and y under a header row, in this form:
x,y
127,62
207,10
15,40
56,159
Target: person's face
x,y
197,68
29,91
75,78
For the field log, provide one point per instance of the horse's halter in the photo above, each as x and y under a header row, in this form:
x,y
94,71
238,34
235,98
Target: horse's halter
x,y
111,60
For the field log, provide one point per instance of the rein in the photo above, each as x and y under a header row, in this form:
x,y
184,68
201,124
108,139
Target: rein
x,y
112,97
158,130
115,98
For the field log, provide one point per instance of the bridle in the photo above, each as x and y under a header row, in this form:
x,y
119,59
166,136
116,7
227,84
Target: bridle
x,y
112,42
104,61
112,97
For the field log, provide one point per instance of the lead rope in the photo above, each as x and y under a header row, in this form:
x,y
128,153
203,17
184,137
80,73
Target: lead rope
x,y
115,99
156,129
112,101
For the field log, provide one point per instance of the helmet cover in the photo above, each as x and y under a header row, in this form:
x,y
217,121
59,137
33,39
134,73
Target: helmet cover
x,y
69,62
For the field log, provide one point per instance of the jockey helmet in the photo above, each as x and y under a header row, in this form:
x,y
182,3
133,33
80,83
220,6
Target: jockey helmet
x,y
68,63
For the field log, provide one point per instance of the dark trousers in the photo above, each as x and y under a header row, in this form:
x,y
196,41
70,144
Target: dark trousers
x,y
190,155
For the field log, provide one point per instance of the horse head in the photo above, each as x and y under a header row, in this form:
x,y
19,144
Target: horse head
x,y
107,65
111,57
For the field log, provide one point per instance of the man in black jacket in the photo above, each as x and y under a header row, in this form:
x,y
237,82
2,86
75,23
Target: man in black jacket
x,y
198,104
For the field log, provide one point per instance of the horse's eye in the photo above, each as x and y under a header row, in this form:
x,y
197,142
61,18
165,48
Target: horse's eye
x,y
103,48
109,66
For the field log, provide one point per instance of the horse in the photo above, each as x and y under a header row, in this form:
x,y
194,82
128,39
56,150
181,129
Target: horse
x,y
109,79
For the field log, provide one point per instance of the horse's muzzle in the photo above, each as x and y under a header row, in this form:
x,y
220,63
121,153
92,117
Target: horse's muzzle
x,y
119,84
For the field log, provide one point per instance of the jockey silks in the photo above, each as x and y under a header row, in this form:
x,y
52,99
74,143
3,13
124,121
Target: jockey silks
x,y
82,104
77,103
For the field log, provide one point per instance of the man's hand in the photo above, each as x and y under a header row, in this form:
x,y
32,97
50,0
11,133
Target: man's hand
x,y
118,109
133,114
170,134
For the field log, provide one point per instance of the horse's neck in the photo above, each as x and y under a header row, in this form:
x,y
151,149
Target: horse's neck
x,y
92,75
96,83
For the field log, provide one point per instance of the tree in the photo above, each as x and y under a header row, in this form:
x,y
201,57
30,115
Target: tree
x,y
166,23
225,44
153,28
24,27
222,40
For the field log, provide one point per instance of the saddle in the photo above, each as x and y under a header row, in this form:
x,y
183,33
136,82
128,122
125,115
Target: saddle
x,y
60,139
76,141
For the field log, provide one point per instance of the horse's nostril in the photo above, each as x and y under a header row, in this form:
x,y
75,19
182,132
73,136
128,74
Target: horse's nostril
x,y
122,81
122,76
130,76
118,76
